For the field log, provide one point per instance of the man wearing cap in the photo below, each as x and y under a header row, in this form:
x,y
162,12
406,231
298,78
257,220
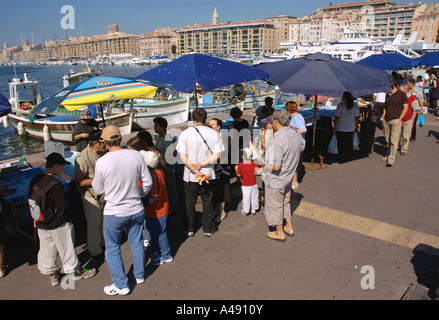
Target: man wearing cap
x,y
280,171
84,173
56,231
117,175
82,129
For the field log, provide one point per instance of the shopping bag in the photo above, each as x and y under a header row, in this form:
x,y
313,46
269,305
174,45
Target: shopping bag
x,y
421,120
332,148
355,141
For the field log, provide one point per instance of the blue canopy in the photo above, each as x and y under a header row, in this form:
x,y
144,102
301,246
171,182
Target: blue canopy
x,y
320,74
5,106
206,71
429,59
387,61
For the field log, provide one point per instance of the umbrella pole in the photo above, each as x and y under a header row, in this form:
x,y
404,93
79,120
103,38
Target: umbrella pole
x,y
312,165
196,96
102,113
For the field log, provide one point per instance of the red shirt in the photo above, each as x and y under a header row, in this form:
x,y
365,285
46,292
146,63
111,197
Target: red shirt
x,y
408,114
247,172
161,207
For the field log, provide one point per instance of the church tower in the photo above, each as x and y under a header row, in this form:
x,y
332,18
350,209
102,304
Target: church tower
x,y
215,18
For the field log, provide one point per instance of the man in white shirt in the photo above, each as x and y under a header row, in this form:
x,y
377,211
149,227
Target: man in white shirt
x,y
200,149
117,174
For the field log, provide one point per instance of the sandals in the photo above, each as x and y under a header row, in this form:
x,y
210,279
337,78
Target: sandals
x,y
274,236
289,232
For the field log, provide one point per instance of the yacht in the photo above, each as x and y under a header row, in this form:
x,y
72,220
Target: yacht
x,y
352,46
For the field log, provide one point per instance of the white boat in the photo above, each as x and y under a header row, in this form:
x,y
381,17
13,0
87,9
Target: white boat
x,y
255,97
56,126
352,46
243,96
75,77
174,109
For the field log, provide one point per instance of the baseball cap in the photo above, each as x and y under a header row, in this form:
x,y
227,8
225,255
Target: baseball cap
x,y
86,114
267,120
95,135
111,133
151,158
247,153
55,158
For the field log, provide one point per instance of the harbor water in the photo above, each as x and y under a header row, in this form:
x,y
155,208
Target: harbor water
x,y
50,77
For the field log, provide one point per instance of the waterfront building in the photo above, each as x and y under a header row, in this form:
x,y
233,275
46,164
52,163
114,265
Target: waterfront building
x,y
388,22
93,46
228,38
427,27
161,42
282,24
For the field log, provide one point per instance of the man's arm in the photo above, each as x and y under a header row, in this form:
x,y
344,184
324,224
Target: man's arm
x,y
404,111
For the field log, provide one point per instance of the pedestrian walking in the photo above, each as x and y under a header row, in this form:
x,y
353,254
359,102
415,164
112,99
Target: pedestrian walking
x,y
117,175
199,148
408,120
280,171
246,171
55,229
395,108
93,203
417,107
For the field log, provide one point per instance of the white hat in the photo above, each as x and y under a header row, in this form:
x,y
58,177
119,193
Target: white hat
x,y
247,153
151,158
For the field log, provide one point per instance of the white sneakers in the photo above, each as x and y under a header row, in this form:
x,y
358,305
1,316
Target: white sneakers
x,y
112,290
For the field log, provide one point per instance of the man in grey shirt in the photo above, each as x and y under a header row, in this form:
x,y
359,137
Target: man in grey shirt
x,y
286,155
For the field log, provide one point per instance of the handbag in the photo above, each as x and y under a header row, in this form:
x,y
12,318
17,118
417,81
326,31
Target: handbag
x,y
332,148
421,120
355,141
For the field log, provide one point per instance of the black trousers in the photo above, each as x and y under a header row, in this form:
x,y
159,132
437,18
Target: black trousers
x,y
415,122
345,144
191,191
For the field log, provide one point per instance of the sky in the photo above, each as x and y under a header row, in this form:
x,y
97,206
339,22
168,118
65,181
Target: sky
x,y
40,20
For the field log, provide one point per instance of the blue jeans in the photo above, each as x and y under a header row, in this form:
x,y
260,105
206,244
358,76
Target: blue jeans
x,y
157,228
113,227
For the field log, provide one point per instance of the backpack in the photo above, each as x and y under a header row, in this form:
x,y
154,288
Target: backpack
x,y
37,200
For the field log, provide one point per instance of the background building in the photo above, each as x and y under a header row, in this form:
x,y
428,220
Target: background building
x,y
228,38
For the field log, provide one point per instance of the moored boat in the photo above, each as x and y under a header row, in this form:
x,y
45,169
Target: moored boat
x,y
57,125
175,111
75,77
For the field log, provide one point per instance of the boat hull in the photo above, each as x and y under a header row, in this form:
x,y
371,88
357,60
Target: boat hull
x,y
62,130
223,107
174,111
256,100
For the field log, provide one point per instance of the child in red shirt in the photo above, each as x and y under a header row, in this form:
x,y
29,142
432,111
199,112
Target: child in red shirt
x,y
156,210
246,171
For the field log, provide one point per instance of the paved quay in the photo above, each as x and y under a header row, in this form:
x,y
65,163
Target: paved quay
x,y
363,231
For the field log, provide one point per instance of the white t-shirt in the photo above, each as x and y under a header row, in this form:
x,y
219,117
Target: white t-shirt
x,y
380,97
191,143
347,117
117,174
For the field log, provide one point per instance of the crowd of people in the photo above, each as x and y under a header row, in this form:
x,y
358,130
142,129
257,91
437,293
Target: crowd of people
x,y
135,189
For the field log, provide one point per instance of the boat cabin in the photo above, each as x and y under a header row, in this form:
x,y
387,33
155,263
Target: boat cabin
x,y
24,94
